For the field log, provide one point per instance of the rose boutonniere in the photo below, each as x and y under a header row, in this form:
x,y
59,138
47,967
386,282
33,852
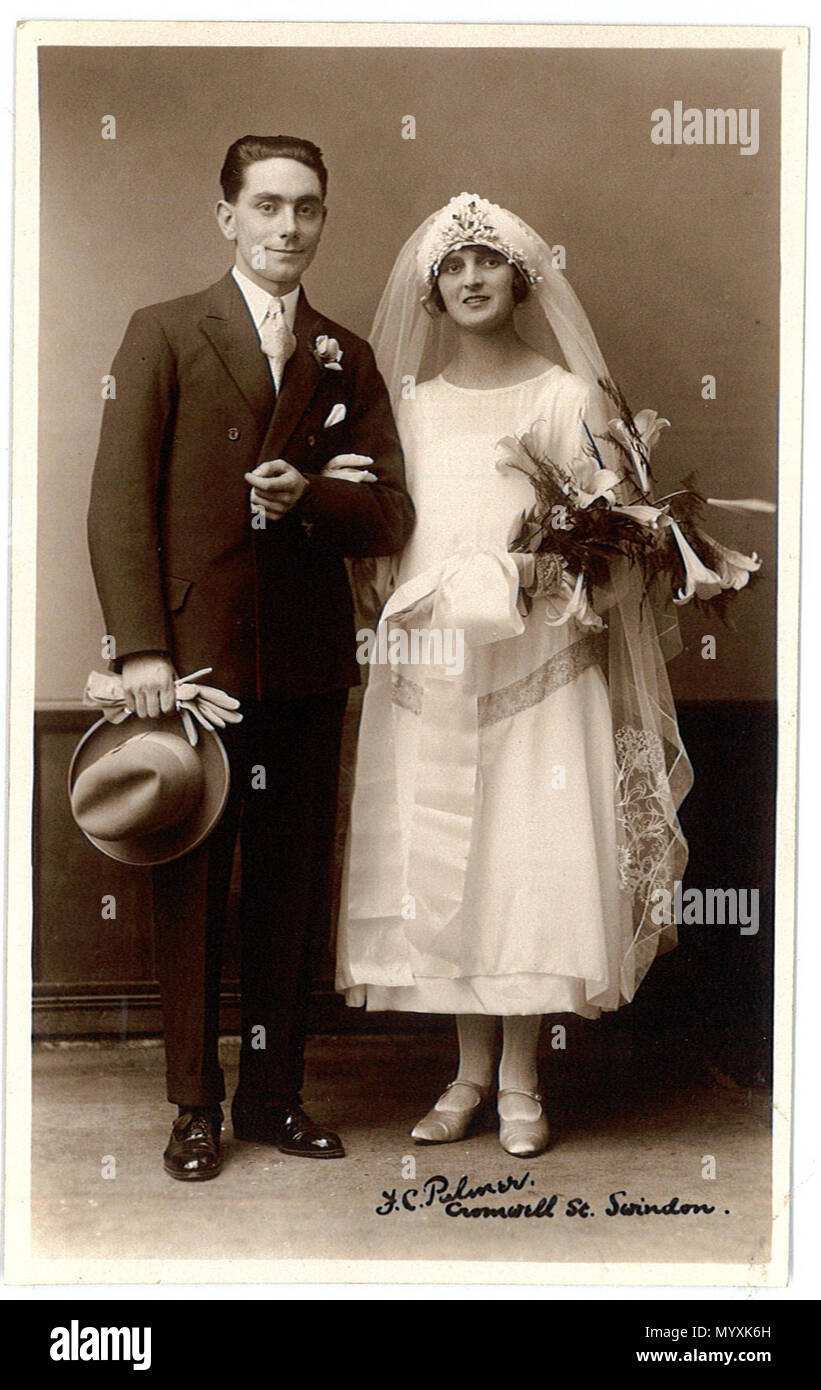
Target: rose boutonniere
x,y
327,352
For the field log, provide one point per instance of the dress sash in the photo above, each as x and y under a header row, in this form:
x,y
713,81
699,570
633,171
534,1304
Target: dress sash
x,y
474,592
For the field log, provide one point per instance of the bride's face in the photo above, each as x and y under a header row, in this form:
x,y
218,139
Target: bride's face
x,y
476,285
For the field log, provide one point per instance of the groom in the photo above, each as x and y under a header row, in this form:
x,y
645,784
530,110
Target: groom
x,y
217,540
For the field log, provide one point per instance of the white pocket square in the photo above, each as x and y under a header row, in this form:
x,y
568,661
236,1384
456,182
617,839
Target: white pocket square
x,y
337,414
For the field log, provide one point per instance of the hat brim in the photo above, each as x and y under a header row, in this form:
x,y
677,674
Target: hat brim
x,y
162,845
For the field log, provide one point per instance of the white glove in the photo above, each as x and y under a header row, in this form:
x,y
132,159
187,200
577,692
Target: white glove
x,y
351,468
208,705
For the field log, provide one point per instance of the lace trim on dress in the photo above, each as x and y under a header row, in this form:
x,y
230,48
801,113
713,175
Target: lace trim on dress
x,y
529,690
559,670
642,798
650,852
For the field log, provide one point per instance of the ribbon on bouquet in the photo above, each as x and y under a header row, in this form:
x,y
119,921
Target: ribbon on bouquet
x,y
210,707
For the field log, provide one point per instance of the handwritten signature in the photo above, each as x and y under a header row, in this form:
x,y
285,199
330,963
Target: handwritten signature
x,y
460,1199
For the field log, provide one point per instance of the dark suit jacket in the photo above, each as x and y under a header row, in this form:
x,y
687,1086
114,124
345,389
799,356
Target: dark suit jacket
x,y
177,563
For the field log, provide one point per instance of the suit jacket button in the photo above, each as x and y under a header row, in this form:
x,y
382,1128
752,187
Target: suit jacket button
x,y
233,433
311,440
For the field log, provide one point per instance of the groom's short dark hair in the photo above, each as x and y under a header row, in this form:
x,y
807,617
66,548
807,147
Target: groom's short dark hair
x,y
249,149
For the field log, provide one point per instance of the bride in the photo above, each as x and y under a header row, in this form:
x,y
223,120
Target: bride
x,y
514,813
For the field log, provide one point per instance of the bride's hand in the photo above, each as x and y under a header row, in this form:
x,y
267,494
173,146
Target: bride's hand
x,y
351,468
526,565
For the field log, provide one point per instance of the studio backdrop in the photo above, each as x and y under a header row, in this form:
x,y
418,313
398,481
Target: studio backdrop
x,y
672,248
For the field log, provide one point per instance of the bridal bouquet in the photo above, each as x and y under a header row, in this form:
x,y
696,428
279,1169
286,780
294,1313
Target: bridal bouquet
x,y
586,517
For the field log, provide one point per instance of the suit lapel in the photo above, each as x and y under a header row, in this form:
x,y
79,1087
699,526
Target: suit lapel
x,y
229,328
301,379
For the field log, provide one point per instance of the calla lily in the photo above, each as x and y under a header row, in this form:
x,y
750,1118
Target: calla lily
x,y
590,481
734,569
648,427
571,603
526,532
528,450
516,455
537,440
644,515
602,486
699,581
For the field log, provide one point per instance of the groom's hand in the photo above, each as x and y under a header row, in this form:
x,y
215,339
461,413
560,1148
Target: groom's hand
x,y
275,488
148,684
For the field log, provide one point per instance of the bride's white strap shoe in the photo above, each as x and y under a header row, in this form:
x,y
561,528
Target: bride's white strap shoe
x,y
524,1138
443,1125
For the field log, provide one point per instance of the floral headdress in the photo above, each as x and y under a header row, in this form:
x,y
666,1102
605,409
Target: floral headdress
x,y
469,220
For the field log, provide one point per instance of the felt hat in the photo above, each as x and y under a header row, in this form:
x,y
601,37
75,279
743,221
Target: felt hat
x,y
141,794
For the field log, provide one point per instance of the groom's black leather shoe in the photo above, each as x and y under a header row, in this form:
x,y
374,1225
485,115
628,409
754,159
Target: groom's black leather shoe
x,y
194,1152
288,1127
299,1135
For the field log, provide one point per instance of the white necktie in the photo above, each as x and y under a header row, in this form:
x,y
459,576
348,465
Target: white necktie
x,y
276,339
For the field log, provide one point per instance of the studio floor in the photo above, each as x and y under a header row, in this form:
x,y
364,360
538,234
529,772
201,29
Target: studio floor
x,y
100,1123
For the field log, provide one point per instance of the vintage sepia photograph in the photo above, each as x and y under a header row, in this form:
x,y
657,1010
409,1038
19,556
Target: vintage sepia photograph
x,y
405,543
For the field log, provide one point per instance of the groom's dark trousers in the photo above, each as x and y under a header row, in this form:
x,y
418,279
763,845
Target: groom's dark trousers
x,y
180,568
287,845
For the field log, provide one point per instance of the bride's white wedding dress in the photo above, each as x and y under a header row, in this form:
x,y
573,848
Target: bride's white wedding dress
x,y
483,853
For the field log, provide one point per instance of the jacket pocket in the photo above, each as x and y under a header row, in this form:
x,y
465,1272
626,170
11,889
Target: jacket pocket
x,y
176,592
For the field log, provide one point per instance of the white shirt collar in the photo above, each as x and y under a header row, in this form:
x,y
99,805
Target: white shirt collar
x,y
258,299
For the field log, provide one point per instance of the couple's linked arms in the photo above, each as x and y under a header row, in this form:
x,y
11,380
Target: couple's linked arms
x,y
124,512
364,518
